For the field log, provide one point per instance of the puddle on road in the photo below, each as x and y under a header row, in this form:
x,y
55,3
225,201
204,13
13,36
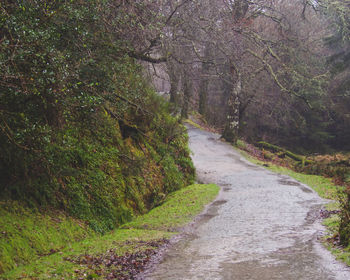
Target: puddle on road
x,y
225,187
293,183
289,183
219,202
305,189
208,216
313,214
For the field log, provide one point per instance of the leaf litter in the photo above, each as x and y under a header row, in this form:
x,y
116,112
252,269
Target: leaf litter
x,y
110,265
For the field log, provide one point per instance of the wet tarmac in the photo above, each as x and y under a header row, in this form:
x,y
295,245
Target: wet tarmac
x,y
262,225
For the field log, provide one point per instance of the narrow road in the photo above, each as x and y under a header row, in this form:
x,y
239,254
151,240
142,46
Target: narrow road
x,y
262,226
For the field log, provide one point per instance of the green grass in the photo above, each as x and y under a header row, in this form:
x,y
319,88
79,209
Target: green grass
x,y
161,222
189,121
55,267
332,225
241,144
177,210
26,235
341,254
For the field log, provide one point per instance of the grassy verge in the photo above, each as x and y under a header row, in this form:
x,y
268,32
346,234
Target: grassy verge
x,y
196,125
323,186
26,235
177,210
117,254
198,121
331,239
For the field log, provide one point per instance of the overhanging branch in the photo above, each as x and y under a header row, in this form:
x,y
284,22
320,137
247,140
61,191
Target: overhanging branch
x,y
147,58
269,69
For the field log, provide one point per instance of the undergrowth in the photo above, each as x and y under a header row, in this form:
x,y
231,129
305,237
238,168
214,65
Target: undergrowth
x,y
81,130
161,223
27,234
103,182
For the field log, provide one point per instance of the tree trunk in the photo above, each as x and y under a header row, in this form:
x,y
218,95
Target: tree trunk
x,y
187,97
230,133
174,82
203,87
203,94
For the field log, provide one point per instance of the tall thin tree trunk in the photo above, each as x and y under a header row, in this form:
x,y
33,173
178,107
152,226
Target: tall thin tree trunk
x,y
187,96
203,95
230,133
203,87
174,82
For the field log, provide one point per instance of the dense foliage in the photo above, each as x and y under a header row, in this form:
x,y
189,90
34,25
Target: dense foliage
x,y
80,130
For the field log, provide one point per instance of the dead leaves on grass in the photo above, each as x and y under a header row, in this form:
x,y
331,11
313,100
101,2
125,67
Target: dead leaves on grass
x,y
112,266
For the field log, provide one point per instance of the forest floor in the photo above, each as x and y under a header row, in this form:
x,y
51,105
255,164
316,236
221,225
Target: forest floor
x,y
121,254
262,226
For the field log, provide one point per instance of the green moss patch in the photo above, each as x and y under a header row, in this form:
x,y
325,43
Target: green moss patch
x,y
196,125
331,240
177,210
27,235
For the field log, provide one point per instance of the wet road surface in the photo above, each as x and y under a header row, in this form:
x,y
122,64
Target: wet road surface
x,y
262,225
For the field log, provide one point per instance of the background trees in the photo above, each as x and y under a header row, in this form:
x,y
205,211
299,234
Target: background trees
x,y
273,70
337,41
262,69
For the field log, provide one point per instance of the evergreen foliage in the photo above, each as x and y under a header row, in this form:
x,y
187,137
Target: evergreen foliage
x,y
80,130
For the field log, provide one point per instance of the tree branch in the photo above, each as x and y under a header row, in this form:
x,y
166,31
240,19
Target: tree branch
x,y
147,58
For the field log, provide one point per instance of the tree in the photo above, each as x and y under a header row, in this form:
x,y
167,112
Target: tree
x,y
79,126
338,42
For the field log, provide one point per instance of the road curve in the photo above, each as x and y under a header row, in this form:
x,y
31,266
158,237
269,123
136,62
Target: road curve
x,y
262,225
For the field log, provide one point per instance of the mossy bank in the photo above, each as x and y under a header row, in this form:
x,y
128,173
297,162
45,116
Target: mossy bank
x,y
82,132
100,177
57,248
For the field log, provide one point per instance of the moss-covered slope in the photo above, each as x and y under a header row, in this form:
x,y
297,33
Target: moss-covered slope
x,y
55,246
81,131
